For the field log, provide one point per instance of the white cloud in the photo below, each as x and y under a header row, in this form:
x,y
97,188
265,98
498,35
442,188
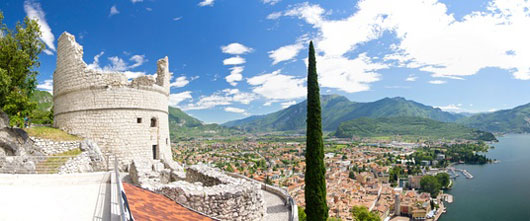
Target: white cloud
x,y
234,61
138,60
270,2
235,110
134,1
288,104
437,82
118,64
175,99
277,86
46,86
148,9
411,78
236,49
452,108
177,18
180,82
95,63
113,11
133,74
285,53
221,98
274,15
34,11
235,75
206,3
430,38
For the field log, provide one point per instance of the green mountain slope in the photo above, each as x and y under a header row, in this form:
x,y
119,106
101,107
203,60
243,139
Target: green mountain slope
x,y
337,109
183,126
516,120
42,114
413,127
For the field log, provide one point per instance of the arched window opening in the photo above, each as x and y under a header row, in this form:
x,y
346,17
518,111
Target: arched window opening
x,y
153,122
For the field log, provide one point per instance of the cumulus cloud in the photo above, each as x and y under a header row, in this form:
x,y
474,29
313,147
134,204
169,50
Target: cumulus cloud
x,y
429,37
437,82
180,82
235,110
274,15
270,2
113,11
134,1
176,99
288,104
276,86
285,53
234,61
235,75
34,11
457,108
221,98
206,3
236,49
411,78
47,85
118,64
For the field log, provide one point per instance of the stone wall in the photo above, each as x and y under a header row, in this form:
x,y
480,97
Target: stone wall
x,y
50,147
108,108
204,189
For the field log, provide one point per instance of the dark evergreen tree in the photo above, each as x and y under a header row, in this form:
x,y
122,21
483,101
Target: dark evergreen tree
x,y
315,174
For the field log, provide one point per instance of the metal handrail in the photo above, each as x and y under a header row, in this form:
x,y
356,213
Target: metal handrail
x,y
125,211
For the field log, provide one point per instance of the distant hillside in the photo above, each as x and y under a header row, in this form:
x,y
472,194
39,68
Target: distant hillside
x,y
183,126
337,109
42,114
516,120
414,127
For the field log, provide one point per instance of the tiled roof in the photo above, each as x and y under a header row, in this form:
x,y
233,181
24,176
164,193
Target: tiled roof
x,y
146,205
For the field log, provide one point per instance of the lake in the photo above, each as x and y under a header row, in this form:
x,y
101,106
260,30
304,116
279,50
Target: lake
x,y
498,191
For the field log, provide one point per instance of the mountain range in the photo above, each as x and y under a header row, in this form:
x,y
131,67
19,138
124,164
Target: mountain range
x,y
337,109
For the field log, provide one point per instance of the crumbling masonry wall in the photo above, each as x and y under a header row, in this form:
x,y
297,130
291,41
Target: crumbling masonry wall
x,y
108,108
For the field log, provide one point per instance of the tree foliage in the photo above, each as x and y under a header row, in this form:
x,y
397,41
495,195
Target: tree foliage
x,y
443,180
361,213
431,185
19,50
315,174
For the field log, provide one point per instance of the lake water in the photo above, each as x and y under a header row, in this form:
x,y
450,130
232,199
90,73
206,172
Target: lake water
x,y
498,191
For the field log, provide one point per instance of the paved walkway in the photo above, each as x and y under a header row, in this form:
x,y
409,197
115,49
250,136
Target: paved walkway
x,y
55,197
275,209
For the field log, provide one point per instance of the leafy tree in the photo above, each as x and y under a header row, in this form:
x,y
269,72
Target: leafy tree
x,y
430,184
351,175
315,174
301,214
19,50
443,179
361,213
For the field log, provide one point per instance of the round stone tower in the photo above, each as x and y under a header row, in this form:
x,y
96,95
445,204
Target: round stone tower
x,y
128,119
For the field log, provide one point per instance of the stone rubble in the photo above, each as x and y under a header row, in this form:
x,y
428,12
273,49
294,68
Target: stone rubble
x,y
202,188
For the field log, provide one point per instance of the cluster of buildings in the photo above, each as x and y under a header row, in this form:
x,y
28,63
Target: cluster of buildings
x,y
356,174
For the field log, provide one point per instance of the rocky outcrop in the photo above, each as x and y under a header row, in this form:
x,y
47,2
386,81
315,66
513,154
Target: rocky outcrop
x,y
16,149
202,188
90,160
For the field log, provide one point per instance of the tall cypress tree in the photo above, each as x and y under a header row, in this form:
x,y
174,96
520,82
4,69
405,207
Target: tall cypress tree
x,y
315,172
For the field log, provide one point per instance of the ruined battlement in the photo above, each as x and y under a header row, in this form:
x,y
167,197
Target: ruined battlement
x,y
126,118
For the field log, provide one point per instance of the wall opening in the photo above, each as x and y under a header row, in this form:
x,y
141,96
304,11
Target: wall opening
x,y
155,152
153,122
139,120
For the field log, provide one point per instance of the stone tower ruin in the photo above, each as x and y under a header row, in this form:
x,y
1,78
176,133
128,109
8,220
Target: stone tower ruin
x,y
128,119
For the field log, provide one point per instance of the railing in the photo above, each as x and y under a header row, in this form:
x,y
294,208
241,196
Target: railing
x,y
125,211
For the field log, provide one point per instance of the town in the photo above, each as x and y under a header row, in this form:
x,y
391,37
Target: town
x,y
383,176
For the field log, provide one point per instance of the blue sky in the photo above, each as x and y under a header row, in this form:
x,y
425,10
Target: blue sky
x,y
235,58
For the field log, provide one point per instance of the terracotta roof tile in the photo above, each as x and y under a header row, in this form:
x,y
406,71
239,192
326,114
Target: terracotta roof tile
x,y
146,205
